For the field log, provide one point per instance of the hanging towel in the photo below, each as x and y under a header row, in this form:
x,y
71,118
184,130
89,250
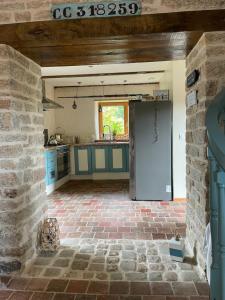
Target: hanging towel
x,y
208,251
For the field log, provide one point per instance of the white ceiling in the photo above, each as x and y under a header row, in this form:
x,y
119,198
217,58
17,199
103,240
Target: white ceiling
x,y
105,69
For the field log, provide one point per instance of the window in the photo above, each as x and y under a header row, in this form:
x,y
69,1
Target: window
x,y
115,115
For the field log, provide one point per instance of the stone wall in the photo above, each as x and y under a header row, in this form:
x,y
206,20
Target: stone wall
x,y
12,11
22,188
208,56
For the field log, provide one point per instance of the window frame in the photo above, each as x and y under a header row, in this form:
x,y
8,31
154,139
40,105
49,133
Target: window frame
x,y
100,116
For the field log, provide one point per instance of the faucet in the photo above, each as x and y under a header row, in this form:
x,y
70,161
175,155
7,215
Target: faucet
x,y
110,133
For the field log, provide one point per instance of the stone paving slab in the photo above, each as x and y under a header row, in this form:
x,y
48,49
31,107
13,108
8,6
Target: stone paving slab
x,y
105,260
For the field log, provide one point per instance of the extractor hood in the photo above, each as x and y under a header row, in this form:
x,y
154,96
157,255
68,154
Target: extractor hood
x,y
47,103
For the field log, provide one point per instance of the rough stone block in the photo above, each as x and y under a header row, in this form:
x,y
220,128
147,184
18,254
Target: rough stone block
x,y
10,266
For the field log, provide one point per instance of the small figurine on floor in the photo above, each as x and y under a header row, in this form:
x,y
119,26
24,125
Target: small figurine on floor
x,y
49,238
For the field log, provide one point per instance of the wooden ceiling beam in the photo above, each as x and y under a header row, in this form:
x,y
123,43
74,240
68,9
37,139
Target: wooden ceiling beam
x,y
69,30
105,85
103,74
143,38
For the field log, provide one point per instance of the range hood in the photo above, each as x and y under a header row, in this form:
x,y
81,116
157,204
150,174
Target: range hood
x,y
47,103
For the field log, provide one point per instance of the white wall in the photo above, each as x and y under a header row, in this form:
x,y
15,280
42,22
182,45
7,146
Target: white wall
x,y
83,120
49,116
179,129
79,122
166,82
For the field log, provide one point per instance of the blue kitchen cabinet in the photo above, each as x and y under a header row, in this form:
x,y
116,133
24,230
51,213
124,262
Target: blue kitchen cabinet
x,y
118,158
51,167
100,158
83,160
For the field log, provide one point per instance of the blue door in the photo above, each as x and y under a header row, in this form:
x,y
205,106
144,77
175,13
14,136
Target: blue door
x,y
100,159
117,158
83,160
51,167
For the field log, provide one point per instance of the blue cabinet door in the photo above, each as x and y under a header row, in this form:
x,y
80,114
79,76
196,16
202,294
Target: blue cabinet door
x,y
51,167
100,159
83,160
117,158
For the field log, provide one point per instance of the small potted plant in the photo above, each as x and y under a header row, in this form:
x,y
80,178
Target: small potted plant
x,y
114,134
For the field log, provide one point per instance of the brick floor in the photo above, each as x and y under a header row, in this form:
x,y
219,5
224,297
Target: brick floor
x,y
100,290
110,250
103,210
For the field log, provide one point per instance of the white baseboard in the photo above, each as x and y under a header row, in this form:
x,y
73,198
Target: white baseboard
x,y
50,188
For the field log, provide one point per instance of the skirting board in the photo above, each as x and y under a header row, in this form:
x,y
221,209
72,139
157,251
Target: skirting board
x,y
52,187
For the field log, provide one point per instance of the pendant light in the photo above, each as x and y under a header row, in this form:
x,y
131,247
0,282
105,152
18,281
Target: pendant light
x,y
74,106
100,106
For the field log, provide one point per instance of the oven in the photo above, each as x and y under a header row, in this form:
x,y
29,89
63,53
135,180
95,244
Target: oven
x,y
63,161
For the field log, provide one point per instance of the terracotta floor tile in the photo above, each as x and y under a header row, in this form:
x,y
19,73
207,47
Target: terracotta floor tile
x,y
77,286
161,288
102,210
202,288
57,285
119,287
85,297
37,284
108,297
98,287
21,296
184,288
199,298
42,296
64,297
18,283
130,298
153,297
140,288
177,298
4,295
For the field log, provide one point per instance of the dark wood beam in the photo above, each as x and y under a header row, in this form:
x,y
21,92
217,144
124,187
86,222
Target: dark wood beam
x,y
154,37
58,32
103,85
103,97
103,74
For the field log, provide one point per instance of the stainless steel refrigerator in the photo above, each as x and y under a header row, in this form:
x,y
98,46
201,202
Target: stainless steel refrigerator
x,y
150,150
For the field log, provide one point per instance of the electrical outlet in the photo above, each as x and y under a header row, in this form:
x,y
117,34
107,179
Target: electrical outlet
x,y
168,188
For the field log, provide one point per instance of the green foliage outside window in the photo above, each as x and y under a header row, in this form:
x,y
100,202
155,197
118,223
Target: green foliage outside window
x,y
114,117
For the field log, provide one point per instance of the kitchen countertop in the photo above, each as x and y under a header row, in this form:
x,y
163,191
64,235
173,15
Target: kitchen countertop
x,y
48,148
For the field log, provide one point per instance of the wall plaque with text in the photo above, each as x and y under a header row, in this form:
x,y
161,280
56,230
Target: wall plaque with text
x,y
96,9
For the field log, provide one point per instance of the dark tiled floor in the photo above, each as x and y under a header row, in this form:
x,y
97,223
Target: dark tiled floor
x,y
59,289
103,210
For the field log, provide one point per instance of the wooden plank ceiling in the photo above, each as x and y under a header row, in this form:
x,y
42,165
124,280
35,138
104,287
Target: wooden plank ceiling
x,y
142,38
